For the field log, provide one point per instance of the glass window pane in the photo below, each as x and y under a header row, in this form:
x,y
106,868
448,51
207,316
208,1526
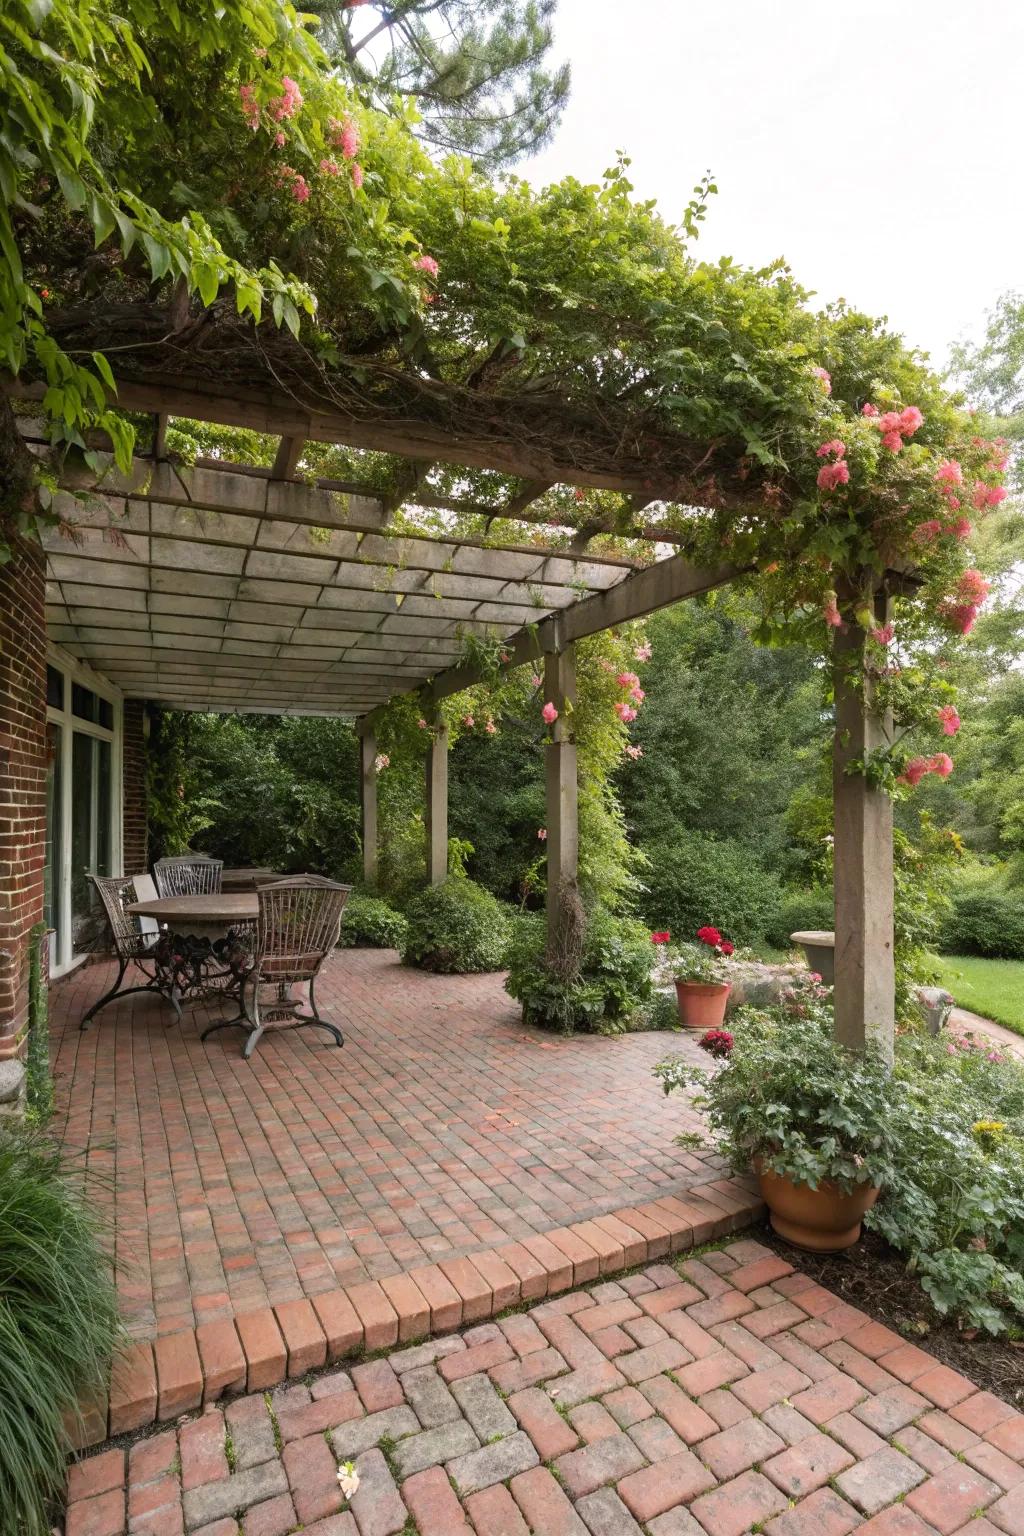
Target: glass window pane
x,y
102,864
83,702
54,688
106,714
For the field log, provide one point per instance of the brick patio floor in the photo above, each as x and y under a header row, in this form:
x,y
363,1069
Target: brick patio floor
x,y
443,1127
719,1396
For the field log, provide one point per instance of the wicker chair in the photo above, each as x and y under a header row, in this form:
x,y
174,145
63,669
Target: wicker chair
x,y
188,875
134,939
297,928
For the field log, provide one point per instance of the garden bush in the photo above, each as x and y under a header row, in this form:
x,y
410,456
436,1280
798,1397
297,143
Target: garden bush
x,y
456,927
943,1134
695,880
58,1323
371,923
985,922
801,910
613,982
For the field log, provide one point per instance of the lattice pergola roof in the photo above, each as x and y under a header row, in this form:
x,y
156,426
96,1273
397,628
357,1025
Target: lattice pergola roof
x,y
219,587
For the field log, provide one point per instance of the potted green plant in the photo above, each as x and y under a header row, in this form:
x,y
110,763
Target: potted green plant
x,y
702,986
815,1121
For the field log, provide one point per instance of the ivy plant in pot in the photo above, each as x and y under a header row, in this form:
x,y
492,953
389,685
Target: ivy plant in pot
x,y
702,986
816,1122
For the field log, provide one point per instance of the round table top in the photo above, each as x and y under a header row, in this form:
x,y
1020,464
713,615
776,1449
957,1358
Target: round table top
x,y
225,906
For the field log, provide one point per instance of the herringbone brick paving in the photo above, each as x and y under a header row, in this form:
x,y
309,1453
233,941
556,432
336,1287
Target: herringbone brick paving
x,y
443,1127
722,1395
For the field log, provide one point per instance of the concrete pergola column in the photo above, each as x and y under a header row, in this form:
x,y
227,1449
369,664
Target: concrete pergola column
x,y
368,801
437,804
865,980
561,784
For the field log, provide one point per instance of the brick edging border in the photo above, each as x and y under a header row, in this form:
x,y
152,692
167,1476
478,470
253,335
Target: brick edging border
x,y
253,1351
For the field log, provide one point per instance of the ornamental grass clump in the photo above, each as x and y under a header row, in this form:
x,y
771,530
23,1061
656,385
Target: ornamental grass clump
x,y
58,1323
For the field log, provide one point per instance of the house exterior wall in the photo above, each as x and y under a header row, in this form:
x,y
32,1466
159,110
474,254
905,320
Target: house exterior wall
x,y
22,780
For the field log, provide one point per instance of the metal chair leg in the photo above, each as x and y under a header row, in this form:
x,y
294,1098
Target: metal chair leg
x,y
115,991
339,1038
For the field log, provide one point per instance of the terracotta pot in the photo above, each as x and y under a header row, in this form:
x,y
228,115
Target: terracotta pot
x,y
821,1220
702,1003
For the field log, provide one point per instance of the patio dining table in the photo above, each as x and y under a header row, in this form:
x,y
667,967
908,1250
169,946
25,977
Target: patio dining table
x,y
202,947
248,879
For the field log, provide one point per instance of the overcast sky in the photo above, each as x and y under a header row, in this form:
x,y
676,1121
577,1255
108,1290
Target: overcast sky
x,y
876,146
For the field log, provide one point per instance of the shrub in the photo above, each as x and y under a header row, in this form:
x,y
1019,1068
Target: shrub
x,y
985,922
58,1323
372,923
802,910
695,880
613,981
456,927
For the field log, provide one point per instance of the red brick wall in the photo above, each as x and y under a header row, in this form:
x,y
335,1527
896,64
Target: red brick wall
x,y
22,779
136,826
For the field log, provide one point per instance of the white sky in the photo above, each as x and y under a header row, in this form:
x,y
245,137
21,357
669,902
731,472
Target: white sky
x,y
877,146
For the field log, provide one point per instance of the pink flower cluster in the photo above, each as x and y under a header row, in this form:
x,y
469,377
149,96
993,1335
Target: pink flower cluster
x,y
830,611
643,652
894,425
961,610
250,106
824,378
344,137
288,103
831,476
885,634
949,719
288,176
941,763
634,752
428,265
549,714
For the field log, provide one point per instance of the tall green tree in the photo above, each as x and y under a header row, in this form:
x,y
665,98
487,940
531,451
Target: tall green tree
x,y
478,69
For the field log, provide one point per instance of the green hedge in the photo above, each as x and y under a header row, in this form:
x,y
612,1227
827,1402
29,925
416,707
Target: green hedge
x,y
613,984
371,923
808,909
695,880
456,927
985,922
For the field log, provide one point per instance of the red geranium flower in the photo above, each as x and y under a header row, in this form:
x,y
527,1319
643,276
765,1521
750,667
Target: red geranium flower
x,y
662,937
710,936
717,1042
726,947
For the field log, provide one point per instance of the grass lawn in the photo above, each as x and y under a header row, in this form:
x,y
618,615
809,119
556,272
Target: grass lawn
x,y
993,988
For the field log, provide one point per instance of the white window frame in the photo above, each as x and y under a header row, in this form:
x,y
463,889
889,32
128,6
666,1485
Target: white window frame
x,y
63,959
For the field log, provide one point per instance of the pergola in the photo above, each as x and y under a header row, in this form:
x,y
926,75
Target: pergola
x,y
222,586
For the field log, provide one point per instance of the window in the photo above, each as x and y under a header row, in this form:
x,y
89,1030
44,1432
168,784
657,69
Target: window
x,y
83,806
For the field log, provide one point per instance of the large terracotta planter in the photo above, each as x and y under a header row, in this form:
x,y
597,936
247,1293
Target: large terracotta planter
x,y
821,1220
702,1003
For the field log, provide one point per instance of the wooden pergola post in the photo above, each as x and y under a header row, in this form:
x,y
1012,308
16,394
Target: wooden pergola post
x,y
865,980
368,801
561,783
437,803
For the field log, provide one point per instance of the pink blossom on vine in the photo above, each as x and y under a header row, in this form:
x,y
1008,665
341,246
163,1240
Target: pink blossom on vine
x,y
491,728
536,680
988,495
949,472
357,174
637,694
910,419
942,764
836,447
625,712
250,106
926,533
542,833
643,652
915,771
949,719
885,634
426,264
960,616
830,476
468,722
288,103
830,611
280,139
422,724
634,752
627,680
972,587
549,714
824,378
962,528
892,441
867,409
330,167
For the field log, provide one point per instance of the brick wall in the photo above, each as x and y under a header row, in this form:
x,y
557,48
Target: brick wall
x,y
136,826
22,779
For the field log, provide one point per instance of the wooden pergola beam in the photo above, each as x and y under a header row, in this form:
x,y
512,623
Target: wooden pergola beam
x,y
289,452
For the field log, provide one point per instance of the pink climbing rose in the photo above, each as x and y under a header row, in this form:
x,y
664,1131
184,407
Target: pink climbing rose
x,y
949,473
427,264
542,833
884,634
867,409
942,764
950,719
924,533
972,587
830,611
836,446
357,174
832,475
549,714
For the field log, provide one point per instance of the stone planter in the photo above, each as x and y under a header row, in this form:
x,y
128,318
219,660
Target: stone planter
x,y
702,1004
819,945
821,1220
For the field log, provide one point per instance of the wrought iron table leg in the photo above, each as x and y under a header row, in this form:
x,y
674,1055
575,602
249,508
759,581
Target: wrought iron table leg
x,y
115,992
